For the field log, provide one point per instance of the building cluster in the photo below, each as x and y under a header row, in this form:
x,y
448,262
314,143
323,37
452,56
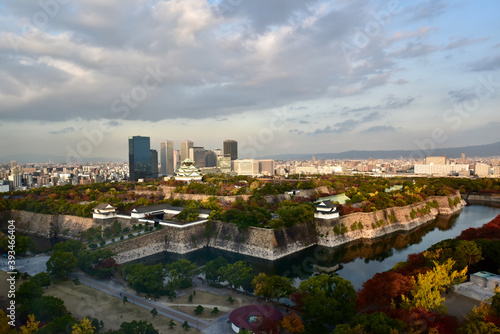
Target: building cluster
x,y
458,167
189,162
27,176
144,162
437,166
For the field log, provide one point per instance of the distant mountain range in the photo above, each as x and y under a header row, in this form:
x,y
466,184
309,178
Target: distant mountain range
x,y
452,152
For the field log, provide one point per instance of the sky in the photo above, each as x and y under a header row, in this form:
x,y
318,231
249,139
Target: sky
x,y
279,76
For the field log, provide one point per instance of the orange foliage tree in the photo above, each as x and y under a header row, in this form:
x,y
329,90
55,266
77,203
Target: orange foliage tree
x,y
292,323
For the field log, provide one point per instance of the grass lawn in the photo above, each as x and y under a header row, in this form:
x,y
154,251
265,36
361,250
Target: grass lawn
x,y
84,301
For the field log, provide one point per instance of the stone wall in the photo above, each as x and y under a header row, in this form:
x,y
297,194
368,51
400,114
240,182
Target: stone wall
x,y
49,226
258,242
401,221
482,199
62,226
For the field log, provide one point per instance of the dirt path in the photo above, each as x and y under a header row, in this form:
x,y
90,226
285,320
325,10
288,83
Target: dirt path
x,y
83,301
111,288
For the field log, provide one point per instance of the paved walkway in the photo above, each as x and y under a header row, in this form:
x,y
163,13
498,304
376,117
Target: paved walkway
x,y
220,326
115,289
32,265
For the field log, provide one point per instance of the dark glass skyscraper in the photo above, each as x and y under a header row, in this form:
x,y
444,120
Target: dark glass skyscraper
x,y
230,149
139,158
154,163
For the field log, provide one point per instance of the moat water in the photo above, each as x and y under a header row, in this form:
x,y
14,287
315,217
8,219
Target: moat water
x,y
358,261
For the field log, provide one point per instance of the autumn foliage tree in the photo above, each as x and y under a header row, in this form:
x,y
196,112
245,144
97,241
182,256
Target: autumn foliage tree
x,y
487,231
292,323
384,288
427,291
83,327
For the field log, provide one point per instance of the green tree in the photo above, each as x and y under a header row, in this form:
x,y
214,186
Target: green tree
x,y
467,253
61,264
292,213
189,214
58,325
45,308
376,323
99,263
124,299
28,291
145,279
199,310
327,300
186,326
137,327
272,287
171,324
70,245
215,310
42,279
238,274
212,269
182,268
154,312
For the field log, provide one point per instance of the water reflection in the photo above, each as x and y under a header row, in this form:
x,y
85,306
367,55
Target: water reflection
x,y
359,260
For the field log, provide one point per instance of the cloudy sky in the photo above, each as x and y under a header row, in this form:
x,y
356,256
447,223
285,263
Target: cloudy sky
x,y
279,76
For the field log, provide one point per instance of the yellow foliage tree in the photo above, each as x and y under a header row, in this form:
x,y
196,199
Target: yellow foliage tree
x,y
83,327
31,326
427,292
4,324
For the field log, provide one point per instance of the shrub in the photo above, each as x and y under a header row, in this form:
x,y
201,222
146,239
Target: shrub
x,y
336,229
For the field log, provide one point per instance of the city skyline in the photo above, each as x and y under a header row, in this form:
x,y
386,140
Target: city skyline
x,y
279,78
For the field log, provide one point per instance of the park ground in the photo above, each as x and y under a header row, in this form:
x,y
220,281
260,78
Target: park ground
x,y
82,301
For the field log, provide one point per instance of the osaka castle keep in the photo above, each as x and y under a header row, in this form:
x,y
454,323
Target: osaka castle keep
x,y
188,172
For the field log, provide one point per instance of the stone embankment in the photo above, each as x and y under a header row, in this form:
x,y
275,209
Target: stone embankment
x,y
372,225
51,226
258,242
482,199
273,244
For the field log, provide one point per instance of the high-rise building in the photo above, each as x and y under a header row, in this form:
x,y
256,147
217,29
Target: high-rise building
x,y
224,164
197,154
231,149
210,159
481,169
167,157
139,158
177,159
154,163
248,167
436,160
266,167
185,146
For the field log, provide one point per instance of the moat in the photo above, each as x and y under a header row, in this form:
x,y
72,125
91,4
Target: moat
x,y
359,260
